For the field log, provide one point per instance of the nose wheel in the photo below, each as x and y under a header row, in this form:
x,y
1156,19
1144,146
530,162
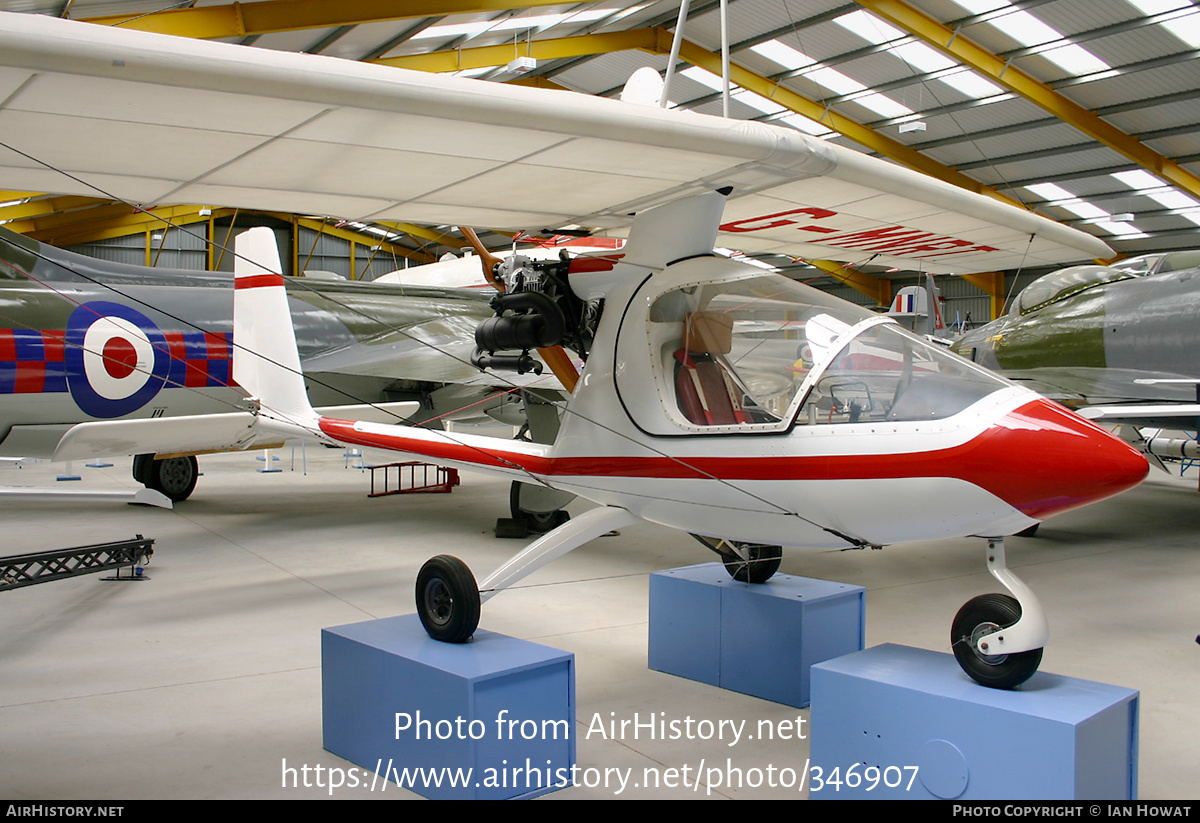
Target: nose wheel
x,y
447,599
998,639
983,616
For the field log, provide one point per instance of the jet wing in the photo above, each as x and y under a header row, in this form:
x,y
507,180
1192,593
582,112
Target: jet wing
x,y
153,119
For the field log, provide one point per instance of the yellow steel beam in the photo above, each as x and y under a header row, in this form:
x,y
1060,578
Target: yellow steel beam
x,y
653,40
947,40
48,205
878,289
104,223
537,82
241,19
422,232
7,196
991,282
356,237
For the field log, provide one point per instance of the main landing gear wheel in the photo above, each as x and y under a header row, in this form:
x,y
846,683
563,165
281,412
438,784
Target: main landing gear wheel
x,y
981,616
534,509
758,566
447,599
175,477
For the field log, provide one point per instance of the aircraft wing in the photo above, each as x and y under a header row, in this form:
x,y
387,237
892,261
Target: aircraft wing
x,y
153,119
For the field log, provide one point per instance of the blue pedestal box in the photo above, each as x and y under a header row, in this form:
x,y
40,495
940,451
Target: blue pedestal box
x,y
758,639
490,719
931,732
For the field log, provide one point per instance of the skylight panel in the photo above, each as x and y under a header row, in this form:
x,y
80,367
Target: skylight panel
x,y
477,72
537,21
834,80
922,57
1126,231
704,77
783,54
981,6
1050,191
869,27
1025,28
1058,196
1147,185
1075,59
804,124
757,101
1185,27
1030,31
971,84
1138,179
883,105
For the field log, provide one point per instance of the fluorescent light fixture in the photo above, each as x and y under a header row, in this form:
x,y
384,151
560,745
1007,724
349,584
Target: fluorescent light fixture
x,y
1123,217
522,65
912,125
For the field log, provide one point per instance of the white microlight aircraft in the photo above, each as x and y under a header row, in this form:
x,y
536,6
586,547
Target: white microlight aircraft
x,y
739,406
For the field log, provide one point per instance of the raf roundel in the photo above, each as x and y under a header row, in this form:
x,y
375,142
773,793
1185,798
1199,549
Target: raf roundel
x,y
116,359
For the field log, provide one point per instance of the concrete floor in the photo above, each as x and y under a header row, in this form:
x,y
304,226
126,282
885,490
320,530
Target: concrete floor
x,y
202,681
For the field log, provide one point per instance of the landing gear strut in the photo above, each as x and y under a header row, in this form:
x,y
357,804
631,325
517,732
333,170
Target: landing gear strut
x,y
448,599
998,639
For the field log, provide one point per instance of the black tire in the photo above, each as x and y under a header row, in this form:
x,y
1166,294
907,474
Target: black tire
x,y
175,477
141,469
759,568
537,522
984,615
543,522
447,599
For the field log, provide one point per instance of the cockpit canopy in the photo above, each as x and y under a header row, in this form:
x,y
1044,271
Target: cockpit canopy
x,y
764,353
1064,283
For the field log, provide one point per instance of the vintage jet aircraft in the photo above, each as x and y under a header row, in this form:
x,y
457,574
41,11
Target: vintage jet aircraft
x,y
1119,343
733,404
84,339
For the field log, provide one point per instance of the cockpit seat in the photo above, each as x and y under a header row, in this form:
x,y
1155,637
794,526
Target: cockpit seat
x,y
706,394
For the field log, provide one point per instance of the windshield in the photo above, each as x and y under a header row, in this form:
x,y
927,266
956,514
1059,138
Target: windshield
x,y
741,355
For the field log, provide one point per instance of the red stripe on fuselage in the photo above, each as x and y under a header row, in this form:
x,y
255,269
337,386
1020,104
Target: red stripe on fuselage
x,y
1041,459
258,281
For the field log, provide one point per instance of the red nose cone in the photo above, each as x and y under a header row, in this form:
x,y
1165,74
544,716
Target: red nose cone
x,y
1054,460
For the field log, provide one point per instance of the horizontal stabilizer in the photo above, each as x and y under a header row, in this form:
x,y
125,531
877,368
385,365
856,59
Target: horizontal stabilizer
x,y
162,435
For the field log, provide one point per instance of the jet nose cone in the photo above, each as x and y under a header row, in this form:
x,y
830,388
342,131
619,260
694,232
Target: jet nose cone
x,y
1061,461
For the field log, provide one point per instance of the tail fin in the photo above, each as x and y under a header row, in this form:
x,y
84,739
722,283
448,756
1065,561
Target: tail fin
x,y
265,360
